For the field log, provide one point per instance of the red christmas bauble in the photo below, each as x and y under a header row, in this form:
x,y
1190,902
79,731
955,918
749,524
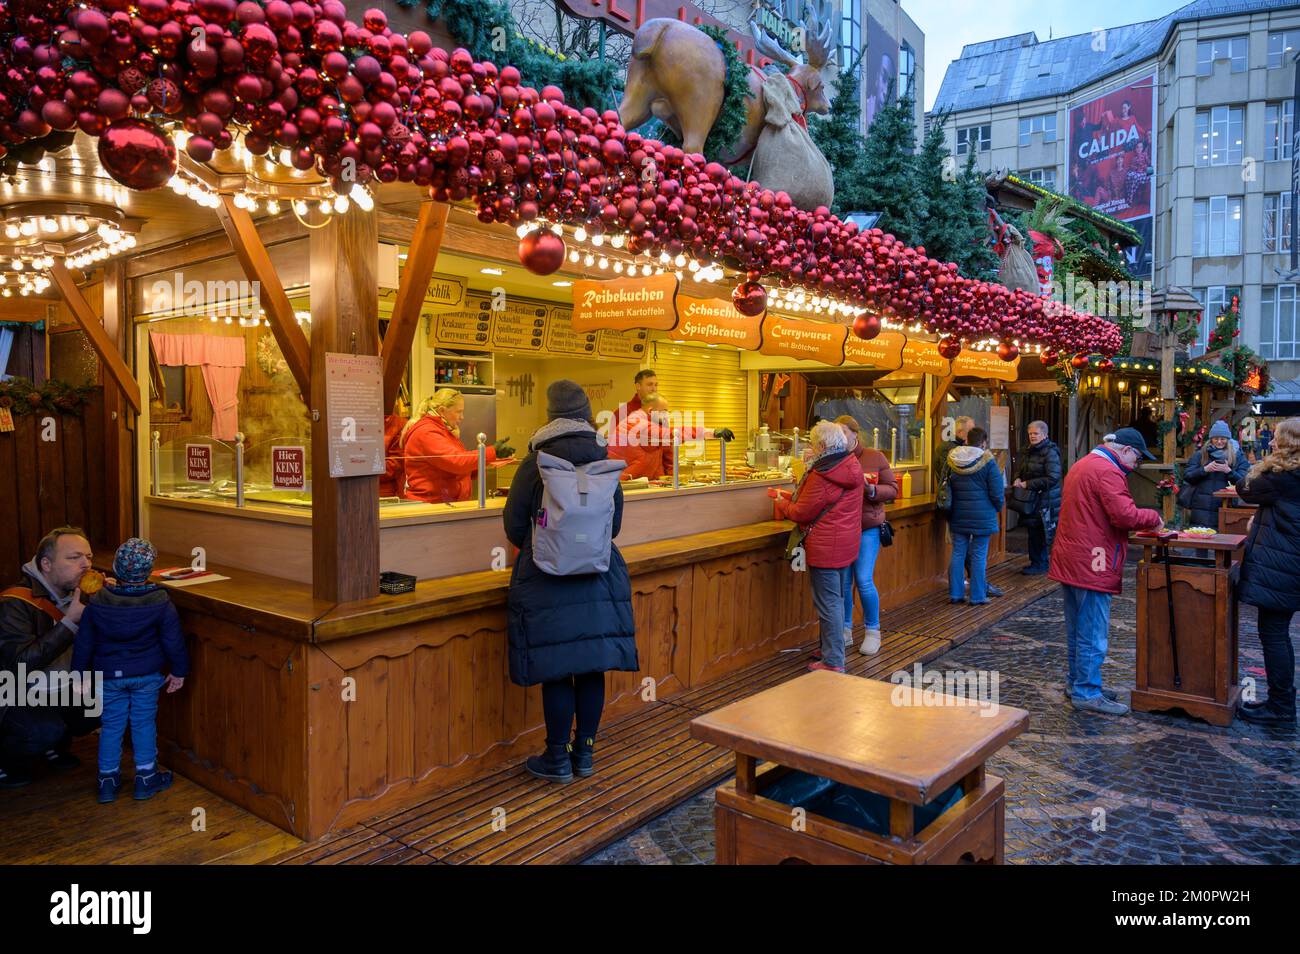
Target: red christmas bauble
x,y
949,347
1106,365
866,327
1079,361
1008,351
137,154
750,298
541,251
1049,359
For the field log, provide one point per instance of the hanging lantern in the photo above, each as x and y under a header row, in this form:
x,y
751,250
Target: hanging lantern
x,y
541,251
137,154
750,298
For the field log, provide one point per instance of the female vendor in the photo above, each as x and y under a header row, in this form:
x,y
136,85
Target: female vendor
x,y
438,467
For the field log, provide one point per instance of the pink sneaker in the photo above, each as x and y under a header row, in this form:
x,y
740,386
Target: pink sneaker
x,y
820,666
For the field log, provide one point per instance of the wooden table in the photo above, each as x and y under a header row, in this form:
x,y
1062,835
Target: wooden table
x,y
1234,514
1197,672
872,736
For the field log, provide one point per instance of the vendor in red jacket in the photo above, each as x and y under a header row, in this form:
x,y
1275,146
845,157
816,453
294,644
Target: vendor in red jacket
x,y
438,467
828,504
393,480
1097,515
645,439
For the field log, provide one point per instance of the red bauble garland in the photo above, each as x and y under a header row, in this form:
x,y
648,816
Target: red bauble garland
x,y
750,298
360,103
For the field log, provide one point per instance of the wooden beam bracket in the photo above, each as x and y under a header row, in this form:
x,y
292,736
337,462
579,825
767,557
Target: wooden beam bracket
x,y
104,347
420,259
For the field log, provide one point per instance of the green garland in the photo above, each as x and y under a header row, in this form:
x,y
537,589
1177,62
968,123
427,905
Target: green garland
x,y
477,24
21,396
731,117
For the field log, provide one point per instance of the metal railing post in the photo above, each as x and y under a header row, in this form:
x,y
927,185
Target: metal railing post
x,y
482,471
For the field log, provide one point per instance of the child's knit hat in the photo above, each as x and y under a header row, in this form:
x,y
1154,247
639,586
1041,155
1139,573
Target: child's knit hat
x,y
133,563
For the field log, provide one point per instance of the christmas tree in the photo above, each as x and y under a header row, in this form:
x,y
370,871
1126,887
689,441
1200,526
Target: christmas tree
x,y
885,178
840,140
955,225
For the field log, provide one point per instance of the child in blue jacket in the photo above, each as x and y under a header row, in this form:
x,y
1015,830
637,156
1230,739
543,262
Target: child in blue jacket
x,y
129,633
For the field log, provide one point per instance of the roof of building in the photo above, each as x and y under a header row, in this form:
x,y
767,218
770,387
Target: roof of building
x,y
1022,67
1072,206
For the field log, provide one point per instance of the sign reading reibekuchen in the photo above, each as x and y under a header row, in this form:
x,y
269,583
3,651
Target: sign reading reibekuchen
x,y
623,304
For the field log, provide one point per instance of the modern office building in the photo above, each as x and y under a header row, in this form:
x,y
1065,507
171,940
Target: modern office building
x,y
893,55
1181,127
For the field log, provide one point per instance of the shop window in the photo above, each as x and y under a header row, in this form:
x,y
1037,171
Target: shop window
x,y
1278,118
1219,136
1217,226
1277,323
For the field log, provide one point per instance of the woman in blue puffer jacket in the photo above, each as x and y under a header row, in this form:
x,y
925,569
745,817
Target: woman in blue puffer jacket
x,y
977,492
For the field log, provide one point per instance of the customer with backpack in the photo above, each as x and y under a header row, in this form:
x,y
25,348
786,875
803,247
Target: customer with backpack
x,y
879,487
977,489
1270,570
570,598
827,506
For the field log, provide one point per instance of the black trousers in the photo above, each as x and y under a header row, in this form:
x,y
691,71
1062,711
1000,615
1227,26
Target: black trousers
x,y
28,731
1279,655
581,696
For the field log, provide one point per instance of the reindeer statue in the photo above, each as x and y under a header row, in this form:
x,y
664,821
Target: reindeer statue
x,y
677,74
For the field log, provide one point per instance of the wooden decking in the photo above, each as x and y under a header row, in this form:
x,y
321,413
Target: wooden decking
x,y
646,763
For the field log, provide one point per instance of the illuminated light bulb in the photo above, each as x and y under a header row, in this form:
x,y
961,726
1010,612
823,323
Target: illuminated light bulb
x,y
49,225
105,231
573,255
558,229
678,273
4,280
604,262
693,266
229,320
177,184
28,227
25,290
645,270
240,201
300,207
616,241
8,293
680,261
589,260
131,241
17,264
12,231
326,207
598,240
213,319
365,202
273,206
618,267
580,234
663,258
522,231
341,204
285,158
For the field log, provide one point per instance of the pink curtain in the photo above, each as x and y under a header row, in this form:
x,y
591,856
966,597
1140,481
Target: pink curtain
x,y
222,360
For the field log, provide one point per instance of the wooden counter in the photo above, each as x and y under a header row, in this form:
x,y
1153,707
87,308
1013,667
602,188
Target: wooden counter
x,y
315,716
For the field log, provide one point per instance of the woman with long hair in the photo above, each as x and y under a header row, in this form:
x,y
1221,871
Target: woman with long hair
x,y
438,465
1270,569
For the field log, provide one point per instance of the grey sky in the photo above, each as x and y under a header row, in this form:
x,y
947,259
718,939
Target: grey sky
x,y
950,24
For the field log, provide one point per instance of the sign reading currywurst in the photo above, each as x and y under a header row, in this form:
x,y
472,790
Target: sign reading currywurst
x,y
803,339
623,304
716,321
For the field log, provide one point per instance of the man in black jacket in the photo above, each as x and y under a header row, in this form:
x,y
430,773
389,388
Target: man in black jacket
x,y
38,623
1040,473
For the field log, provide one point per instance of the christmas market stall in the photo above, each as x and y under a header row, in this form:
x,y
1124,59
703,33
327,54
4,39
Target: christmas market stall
x,y
326,224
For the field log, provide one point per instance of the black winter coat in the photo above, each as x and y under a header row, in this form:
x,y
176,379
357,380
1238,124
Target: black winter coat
x,y
564,626
28,636
1270,569
1205,506
1041,471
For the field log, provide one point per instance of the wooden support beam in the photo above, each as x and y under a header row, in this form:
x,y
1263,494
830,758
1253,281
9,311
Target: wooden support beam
x,y
256,263
121,520
104,345
1169,403
421,256
345,319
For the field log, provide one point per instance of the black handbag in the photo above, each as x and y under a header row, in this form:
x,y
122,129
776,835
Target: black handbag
x,y
1022,500
886,534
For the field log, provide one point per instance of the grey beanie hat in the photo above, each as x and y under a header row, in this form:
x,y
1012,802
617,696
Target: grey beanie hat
x,y
565,398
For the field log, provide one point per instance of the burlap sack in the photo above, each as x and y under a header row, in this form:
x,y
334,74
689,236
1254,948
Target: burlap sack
x,y
785,157
1018,269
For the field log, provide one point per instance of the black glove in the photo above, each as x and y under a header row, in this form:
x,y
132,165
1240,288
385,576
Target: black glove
x,y
725,433
503,448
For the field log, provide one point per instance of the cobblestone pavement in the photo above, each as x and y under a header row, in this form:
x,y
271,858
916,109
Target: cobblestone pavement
x,y
1148,788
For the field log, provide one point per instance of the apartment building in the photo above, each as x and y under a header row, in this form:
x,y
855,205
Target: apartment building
x,y
1181,127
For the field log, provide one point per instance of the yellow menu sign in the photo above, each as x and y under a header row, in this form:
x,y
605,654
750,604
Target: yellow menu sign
x,y
563,338
985,364
924,356
624,304
803,339
716,321
884,351
627,345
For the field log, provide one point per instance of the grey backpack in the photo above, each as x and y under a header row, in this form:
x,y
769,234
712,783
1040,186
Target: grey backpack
x,y
573,530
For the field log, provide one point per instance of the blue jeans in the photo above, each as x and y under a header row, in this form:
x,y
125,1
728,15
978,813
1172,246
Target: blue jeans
x,y
133,698
828,598
1087,626
864,571
977,547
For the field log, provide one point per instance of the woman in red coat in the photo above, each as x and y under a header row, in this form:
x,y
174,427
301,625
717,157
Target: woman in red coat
x,y
438,467
393,480
830,499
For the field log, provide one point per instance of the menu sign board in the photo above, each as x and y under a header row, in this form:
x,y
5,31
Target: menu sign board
x,y
198,463
461,329
803,339
519,326
623,304
445,290
884,351
622,344
354,397
924,357
716,321
288,467
561,338
985,364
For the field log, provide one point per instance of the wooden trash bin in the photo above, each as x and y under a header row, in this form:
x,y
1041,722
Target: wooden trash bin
x,y
1235,513
1197,672
916,769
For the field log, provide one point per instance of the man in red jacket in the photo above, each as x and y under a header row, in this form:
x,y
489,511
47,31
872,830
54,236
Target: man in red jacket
x,y
1097,515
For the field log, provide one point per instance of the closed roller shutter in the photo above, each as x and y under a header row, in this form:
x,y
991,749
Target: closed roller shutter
x,y
709,380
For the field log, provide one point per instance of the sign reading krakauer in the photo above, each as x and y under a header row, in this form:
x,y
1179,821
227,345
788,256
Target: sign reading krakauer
x,y
884,351
803,339
623,304
519,326
716,321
